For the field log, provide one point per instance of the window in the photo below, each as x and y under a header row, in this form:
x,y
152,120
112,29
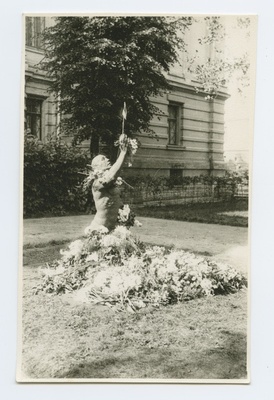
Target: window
x,y
34,117
34,28
173,124
176,175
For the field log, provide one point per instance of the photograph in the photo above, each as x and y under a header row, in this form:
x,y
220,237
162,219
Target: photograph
x,y
136,160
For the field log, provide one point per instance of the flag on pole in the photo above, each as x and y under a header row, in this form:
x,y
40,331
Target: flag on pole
x,y
124,112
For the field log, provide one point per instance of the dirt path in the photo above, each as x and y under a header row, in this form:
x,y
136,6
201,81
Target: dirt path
x,y
225,243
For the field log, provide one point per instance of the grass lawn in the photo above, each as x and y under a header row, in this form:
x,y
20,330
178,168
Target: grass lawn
x,y
64,338
234,213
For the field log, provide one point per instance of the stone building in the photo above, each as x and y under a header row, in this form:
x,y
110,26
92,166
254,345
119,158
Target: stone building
x,y
190,133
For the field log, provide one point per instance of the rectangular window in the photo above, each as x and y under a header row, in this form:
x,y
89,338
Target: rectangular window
x,y
176,175
34,28
173,124
34,117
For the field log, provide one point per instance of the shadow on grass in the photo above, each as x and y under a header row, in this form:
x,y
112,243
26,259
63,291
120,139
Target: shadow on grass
x,y
40,256
209,213
225,362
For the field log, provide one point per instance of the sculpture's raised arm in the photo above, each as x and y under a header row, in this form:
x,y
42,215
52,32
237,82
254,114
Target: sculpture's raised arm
x,y
113,171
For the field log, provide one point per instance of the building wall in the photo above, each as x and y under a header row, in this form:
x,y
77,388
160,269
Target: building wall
x,y
37,87
199,149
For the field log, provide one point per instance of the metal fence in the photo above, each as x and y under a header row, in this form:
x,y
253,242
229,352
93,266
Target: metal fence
x,y
186,194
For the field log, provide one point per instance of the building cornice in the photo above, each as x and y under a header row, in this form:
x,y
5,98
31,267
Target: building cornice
x,y
189,88
31,49
37,75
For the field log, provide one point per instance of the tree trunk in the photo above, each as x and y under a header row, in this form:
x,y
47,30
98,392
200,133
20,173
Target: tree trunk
x,y
113,152
109,150
94,146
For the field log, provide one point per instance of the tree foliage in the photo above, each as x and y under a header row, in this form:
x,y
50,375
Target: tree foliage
x,y
216,71
98,63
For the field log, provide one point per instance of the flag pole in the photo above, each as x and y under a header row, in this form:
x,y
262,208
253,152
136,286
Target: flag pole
x,y
123,125
124,115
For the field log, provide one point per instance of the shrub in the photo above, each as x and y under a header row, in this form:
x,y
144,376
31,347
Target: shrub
x,y
51,178
157,183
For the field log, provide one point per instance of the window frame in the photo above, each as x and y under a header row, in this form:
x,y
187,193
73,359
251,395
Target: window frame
x,y
34,26
35,114
178,107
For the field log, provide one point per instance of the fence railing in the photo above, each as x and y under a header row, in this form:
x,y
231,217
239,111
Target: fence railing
x,y
185,194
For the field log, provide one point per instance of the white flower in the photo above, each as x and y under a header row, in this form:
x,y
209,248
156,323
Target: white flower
x,y
101,278
93,227
203,267
131,281
123,213
119,181
53,271
156,261
75,250
161,272
172,257
92,257
126,209
206,286
76,247
110,241
133,145
155,251
121,232
137,223
171,267
122,217
133,263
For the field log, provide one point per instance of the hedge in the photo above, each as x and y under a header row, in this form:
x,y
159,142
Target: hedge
x,y
52,183
51,178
